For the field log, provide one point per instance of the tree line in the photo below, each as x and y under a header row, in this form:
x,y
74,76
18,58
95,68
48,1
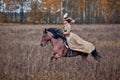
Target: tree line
x,y
52,11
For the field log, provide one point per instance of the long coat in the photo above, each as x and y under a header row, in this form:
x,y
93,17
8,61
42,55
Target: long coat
x,y
75,42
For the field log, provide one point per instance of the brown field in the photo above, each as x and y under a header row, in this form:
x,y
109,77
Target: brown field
x,y
22,58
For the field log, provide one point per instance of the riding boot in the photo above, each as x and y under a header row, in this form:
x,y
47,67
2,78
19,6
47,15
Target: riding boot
x,y
70,52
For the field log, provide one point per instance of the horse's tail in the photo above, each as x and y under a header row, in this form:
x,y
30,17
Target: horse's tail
x,y
96,55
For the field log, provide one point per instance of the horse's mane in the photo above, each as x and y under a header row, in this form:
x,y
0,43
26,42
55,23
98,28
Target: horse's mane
x,y
57,33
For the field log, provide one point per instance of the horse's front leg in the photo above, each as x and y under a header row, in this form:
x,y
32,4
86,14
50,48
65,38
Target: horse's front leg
x,y
53,58
56,56
57,53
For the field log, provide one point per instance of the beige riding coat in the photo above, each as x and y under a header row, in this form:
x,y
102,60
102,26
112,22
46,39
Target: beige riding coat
x,y
75,42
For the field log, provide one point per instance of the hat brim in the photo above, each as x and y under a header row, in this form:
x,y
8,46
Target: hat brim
x,y
69,19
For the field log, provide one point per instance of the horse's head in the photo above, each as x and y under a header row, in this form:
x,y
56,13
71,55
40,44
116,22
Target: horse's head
x,y
45,37
51,33
57,39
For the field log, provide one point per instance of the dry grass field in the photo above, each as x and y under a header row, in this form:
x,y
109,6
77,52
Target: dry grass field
x,y
22,58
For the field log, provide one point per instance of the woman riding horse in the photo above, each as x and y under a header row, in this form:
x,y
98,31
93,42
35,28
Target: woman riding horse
x,y
67,43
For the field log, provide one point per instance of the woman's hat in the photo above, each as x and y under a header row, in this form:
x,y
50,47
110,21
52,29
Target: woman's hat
x,y
69,20
65,15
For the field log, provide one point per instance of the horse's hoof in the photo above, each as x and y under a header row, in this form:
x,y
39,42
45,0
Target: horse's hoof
x,y
53,59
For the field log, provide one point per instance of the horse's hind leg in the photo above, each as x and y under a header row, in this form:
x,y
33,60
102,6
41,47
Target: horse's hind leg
x,y
83,55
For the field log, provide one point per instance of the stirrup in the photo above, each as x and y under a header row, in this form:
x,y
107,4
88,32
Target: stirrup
x,y
70,53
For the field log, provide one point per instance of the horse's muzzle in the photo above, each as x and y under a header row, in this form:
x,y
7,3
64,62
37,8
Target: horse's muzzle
x,y
43,44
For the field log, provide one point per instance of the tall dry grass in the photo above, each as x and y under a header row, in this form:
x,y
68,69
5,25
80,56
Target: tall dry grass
x,y
22,58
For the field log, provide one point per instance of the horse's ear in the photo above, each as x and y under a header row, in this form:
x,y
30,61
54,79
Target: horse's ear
x,y
45,30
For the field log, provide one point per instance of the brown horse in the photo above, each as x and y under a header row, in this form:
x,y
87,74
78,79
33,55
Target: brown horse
x,y
58,41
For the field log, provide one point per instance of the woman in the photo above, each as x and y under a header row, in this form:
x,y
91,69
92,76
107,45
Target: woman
x,y
74,41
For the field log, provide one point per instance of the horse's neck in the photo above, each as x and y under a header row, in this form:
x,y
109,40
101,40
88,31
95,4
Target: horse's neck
x,y
54,41
58,44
